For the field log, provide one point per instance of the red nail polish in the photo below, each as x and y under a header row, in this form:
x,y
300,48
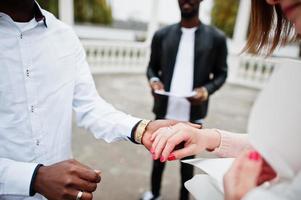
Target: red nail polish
x,y
154,157
254,155
162,159
171,157
152,151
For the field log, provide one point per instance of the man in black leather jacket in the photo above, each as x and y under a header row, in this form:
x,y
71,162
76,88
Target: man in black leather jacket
x,y
185,57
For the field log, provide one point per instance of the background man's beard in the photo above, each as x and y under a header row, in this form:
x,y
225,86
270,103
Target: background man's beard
x,y
189,15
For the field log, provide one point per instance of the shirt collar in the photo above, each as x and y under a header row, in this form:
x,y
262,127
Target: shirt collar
x,y
38,14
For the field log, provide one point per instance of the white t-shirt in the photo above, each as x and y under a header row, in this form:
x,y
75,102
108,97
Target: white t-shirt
x,y
182,80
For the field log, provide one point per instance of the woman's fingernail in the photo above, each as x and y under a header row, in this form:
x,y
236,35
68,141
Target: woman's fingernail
x,y
152,151
254,155
162,159
171,157
154,157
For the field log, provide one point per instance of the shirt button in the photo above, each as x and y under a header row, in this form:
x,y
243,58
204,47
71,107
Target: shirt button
x,y
21,35
38,142
27,73
32,109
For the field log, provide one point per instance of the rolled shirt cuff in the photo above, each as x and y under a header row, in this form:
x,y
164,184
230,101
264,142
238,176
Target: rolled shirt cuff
x,y
32,191
129,124
132,138
18,178
154,79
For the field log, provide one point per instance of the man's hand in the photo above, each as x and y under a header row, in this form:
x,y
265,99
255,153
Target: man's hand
x,y
64,180
153,126
200,97
156,85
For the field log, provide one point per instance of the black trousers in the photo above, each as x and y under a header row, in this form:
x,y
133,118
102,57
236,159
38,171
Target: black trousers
x,y
156,177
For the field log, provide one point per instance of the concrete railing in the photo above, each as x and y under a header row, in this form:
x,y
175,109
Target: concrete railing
x,y
250,71
132,57
116,57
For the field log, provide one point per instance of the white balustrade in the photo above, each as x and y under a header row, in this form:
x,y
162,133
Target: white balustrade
x,y
251,71
116,57
133,57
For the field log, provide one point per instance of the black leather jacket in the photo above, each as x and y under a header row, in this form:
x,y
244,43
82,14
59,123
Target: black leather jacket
x,y
210,63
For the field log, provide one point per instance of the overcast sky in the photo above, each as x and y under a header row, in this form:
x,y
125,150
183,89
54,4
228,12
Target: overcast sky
x,y
141,10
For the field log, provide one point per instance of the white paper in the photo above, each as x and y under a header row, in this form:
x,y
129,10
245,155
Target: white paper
x,y
274,125
203,187
164,93
216,168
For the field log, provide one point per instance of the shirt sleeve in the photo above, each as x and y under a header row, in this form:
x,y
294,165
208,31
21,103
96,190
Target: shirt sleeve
x,y
94,113
232,144
220,67
15,177
154,66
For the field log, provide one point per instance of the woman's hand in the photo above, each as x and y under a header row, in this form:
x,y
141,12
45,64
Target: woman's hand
x,y
243,176
248,171
166,140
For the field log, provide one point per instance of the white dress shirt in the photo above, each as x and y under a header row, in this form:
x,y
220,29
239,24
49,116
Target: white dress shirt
x,y
182,79
43,77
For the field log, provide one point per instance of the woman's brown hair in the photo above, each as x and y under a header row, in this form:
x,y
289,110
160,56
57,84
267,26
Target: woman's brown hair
x,y
269,28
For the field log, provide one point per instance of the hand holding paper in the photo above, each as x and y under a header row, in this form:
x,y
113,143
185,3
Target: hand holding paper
x,y
157,85
243,175
201,95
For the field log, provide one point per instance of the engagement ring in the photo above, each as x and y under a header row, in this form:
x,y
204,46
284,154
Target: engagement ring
x,y
79,195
